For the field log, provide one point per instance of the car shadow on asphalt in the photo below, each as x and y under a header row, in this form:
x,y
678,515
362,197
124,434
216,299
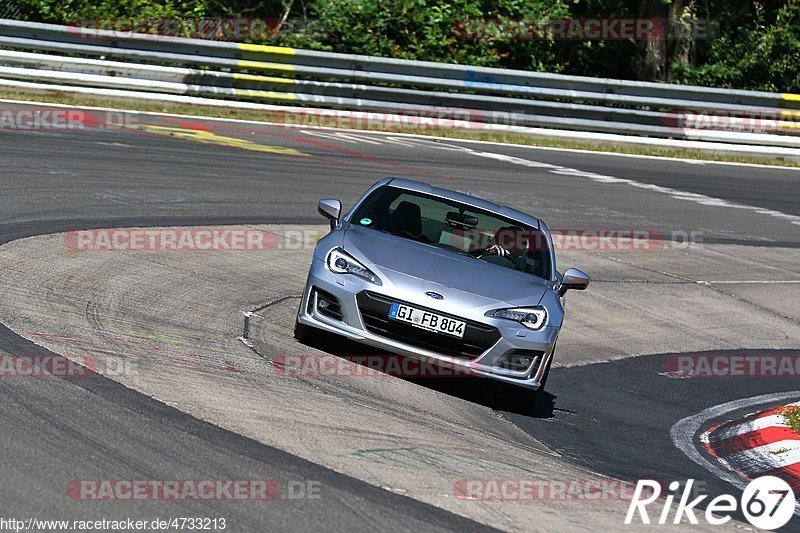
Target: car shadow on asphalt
x,y
474,389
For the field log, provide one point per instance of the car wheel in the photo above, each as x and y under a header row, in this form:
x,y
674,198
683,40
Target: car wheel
x,y
514,399
534,396
520,400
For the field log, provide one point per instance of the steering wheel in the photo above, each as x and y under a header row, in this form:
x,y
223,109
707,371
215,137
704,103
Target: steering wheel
x,y
492,250
484,253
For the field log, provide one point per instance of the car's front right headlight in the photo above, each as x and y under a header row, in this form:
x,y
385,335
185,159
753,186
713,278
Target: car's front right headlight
x,y
530,317
340,262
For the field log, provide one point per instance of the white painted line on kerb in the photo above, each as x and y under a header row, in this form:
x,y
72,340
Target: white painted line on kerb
x,y
752,425
768,457
684,431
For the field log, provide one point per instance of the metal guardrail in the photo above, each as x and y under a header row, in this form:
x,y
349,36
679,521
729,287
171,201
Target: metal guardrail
x,y
236,72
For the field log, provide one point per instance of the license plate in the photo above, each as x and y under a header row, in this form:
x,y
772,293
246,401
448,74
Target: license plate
x,y
427,320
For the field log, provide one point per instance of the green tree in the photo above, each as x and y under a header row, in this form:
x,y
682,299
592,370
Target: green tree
x,y
428,30
753,44
757,47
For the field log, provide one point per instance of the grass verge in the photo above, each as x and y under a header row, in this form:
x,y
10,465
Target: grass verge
x,y
502,137
792,417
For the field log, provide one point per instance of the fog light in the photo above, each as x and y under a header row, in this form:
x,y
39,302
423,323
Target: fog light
x,y
520,360
326,303
516,362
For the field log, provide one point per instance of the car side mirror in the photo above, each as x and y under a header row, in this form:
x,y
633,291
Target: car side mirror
x,y
331,209
575,280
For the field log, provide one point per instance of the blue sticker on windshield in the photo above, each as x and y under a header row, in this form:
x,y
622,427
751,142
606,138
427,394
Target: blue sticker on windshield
x,y
366,221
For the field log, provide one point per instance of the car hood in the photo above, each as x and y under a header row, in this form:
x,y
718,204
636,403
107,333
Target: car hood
x,y
417,266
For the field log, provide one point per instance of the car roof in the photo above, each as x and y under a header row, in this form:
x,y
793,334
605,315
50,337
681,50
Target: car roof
x,y
467,199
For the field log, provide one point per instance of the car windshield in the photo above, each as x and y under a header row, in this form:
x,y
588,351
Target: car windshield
x,y
456,227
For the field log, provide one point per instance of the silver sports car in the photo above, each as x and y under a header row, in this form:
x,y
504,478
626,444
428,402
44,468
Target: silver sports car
x,y
440,275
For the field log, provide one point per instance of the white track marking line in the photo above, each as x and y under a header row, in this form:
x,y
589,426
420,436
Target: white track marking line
x,y
682,433
402,142
682,195
513,160
359,138
600,178
749,281
697,198
326,135
338,136
410,136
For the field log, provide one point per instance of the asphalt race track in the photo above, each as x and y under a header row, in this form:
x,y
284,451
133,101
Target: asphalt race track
x,y
588,415
609,405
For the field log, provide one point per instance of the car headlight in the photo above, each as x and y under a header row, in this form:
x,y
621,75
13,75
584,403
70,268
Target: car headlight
x,y
530,317
340,262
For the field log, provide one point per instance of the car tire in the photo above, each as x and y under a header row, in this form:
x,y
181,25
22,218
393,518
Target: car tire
x,y
535,396
520,400
514,399
302,333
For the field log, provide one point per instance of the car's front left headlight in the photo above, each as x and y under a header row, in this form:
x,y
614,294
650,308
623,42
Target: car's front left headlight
x,y
530,317
340,262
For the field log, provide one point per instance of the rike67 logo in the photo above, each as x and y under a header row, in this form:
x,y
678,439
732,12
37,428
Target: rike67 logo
x,y
767,503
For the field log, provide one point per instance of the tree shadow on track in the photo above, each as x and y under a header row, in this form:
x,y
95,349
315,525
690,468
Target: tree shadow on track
x,y
482,391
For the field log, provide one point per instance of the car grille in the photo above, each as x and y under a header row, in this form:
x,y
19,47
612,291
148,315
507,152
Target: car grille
x,y
375,311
